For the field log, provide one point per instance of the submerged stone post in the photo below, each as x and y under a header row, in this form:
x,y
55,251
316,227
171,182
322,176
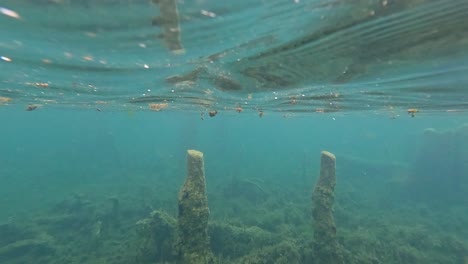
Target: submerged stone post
x,y
193,244
326,249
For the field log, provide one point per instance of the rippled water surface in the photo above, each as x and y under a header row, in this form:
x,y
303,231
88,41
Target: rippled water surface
x,y
254,55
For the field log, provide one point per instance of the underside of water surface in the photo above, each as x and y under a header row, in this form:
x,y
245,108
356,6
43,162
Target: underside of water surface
x,y
292,56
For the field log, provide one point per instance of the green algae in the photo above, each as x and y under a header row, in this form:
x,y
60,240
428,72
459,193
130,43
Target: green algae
x,y
326,247
157,235
275,229
382,238
192,221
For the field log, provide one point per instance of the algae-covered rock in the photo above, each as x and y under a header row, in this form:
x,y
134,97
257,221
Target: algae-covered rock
x,y
156,238
228,241
9,233
36,247
20,244
193,244
286,252
326,248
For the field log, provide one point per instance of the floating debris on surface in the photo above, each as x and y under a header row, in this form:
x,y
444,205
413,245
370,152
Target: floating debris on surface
x,y
41,85
412,111
213,113
31,107
158,107
4,100
260,113
207,13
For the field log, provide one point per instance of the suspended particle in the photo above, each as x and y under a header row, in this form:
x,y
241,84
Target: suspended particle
x,y
10,13
208,13
5,58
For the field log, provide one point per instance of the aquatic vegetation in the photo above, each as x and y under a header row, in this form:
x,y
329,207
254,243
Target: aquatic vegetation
x,y
156,238
235,241
283,253
249,224
23,243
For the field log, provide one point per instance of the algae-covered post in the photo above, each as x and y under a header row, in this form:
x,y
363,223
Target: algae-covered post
x,y
326,249
193,244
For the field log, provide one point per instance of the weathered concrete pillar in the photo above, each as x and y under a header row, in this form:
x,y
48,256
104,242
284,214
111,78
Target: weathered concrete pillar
x,y
326,248
193,244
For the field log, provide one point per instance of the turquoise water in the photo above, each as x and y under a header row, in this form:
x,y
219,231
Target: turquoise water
x,y
99,104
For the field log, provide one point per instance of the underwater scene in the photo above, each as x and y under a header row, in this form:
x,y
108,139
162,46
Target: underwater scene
x,y
243,132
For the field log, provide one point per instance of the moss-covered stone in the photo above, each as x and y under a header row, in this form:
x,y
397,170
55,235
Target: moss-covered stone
x,y
193,243
156,237
22,244
229,241
326,249
286,252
